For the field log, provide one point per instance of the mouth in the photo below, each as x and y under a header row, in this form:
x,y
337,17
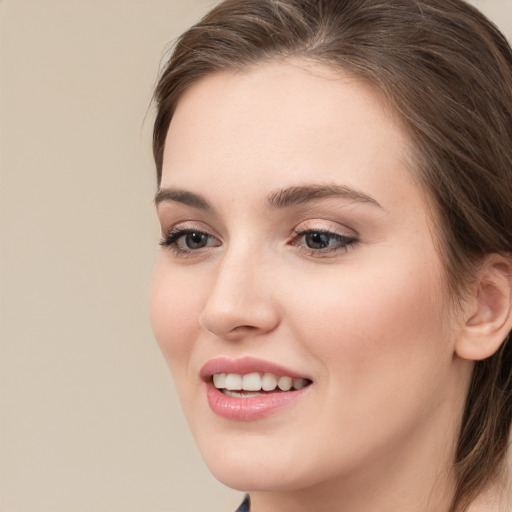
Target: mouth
x,y
249,389
254,384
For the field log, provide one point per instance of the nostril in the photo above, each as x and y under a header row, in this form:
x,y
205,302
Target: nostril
x,y
244,328
230,332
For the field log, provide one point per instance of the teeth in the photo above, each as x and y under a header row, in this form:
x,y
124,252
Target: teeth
x,y
251,382
233,381
219,380
254,382
268,382
285,383
242,394
299,383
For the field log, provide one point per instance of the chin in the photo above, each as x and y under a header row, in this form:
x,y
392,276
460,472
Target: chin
x,y
241,467
263,465
247,477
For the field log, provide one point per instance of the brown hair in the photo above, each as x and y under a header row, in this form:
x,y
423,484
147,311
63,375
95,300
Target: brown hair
x,y
447,71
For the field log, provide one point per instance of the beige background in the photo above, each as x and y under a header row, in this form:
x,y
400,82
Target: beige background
x,y
89,417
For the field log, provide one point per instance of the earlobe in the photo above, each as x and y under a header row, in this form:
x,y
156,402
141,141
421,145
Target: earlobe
x,y
488,318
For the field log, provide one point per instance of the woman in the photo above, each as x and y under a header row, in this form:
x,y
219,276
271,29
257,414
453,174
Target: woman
x,y
333,292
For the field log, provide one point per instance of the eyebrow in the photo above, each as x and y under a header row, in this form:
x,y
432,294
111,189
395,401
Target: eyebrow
x,y
283,198
184,197
298,195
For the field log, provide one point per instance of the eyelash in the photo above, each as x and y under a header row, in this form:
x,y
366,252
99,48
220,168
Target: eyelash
x,y
171,240
342,242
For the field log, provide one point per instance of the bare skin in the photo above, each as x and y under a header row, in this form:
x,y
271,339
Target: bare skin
x,y
345,288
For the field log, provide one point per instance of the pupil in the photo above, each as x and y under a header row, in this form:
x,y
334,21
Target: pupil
x,y
317,240
196,240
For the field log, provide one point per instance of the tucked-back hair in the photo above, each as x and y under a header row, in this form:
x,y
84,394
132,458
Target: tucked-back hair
x,y
447,72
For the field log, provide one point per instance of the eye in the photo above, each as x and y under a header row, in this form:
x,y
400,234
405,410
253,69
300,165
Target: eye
x,y
320,241
185,241
194,240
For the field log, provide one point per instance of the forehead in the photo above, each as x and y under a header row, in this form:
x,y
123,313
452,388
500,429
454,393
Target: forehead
x,y
284,123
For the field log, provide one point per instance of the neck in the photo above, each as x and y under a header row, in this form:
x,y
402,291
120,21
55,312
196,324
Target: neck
x,y
498,496
395,492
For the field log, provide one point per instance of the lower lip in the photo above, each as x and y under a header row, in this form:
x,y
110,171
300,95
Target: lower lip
x,y
250,408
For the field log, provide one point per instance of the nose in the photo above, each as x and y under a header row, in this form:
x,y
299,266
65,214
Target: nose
x,y
241,303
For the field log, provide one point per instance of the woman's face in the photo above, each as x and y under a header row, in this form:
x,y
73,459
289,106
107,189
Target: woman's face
x,y
297,251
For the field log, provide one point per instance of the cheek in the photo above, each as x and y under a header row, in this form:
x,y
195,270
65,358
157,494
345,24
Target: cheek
x,y
373,331
174,311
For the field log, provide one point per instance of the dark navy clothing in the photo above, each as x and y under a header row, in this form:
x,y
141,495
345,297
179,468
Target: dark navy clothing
x,y
245,506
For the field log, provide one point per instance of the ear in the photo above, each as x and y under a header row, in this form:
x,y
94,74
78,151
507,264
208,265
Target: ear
x,y
488,311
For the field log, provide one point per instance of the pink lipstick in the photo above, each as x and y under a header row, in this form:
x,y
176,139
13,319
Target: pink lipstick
x,y
248,389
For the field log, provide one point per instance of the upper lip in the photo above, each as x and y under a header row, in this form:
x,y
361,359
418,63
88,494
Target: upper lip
x,y
245,365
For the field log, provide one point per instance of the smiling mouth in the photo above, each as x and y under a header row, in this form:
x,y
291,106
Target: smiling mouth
x,y
256,384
